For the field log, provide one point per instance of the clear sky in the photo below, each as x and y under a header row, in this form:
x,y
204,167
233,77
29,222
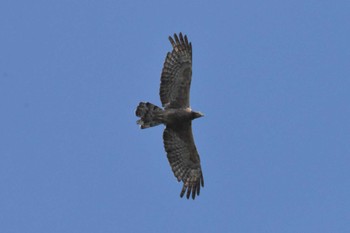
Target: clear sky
x,y
271,77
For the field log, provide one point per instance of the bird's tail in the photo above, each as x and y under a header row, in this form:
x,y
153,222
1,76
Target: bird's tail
x,y
150,115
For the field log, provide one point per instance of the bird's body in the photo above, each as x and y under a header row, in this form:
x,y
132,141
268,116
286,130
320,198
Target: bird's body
x,y
177,116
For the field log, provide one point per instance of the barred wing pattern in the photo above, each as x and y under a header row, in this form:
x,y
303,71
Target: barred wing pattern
x,y
176,74
183,158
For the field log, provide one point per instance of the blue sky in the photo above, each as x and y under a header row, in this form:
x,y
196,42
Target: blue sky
x,y
271,77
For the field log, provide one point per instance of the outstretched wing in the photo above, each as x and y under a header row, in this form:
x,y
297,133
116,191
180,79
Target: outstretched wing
x,y
176,74
183,158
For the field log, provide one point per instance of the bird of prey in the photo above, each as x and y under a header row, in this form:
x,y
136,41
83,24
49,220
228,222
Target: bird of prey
x,y
177,116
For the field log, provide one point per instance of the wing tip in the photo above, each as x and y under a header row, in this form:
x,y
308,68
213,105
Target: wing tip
x,y
179,39
192,189
171,41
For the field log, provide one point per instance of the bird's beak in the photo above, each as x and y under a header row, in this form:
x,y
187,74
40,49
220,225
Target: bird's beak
x,y
200,114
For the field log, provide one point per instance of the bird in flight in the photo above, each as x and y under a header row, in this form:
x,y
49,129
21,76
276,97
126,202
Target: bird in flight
x,y
177,116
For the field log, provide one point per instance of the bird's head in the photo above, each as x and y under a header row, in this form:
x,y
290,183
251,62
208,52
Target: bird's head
x,y
196,114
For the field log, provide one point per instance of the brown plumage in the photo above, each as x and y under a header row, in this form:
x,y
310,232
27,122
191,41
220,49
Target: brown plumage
x,y
177,116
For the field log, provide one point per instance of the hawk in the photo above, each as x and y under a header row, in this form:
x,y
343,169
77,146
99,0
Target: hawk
x,y
177,116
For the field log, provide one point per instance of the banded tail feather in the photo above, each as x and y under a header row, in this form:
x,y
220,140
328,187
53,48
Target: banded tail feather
x,y
150,115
